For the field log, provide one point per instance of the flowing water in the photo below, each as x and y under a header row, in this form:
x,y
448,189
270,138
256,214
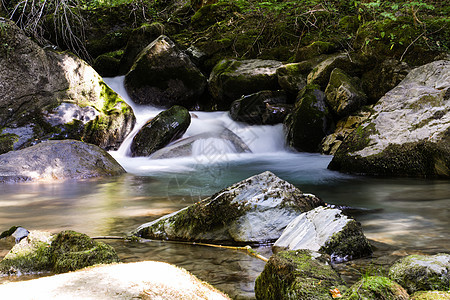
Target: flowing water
x,y
400,216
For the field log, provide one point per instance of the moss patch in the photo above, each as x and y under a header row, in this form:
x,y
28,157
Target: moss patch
x,y
376,287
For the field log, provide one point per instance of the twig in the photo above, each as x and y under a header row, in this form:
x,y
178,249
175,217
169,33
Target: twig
x,y
415,40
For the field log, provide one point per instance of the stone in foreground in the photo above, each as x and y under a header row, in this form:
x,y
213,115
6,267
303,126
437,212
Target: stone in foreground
x,y
57,160
301,274
376,287
422,273
255,210
325,230
141,280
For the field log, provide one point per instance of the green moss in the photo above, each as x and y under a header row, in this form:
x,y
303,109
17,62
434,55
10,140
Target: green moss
x,y
314,49
376,287
431,295
7,142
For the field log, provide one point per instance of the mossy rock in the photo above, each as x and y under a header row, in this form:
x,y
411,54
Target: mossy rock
x,y
422,273
107,65
376,287
431,295
210,14
314,49
309,122
7,142
300,274
166,127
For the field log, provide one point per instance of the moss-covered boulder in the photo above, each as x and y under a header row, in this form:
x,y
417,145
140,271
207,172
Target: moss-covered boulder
x,y
376,287
325,230
422,273
314,49
321,73
344,94
263,108
166,127
254,210
292,77
107,65
230,79
164,76
382,78
57,160
431,295
408,133
300,274
210,14
50,95
63,252
139,38
309,122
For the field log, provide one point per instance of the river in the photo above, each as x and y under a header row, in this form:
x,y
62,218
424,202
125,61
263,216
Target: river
x,y
400,216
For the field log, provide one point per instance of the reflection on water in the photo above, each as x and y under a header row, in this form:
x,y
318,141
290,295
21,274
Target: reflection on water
x,y
410,216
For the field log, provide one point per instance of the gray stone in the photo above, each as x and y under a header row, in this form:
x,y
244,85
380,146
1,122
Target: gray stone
x,y
422,272
164,76
408,133
325,230
321,73
57,160
254,210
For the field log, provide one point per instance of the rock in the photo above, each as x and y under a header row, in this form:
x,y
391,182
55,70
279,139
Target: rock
x,y
376,287
422,273
262,108
343,94
107,64
408,133
230,79
49,95
292,77
139,38
164,76
325,230
321,73
344,128
301,274
208,142
17,232
309,121
431,295
139,280
63,252
210,14
166,127
383,78
57,160
254,210
314,49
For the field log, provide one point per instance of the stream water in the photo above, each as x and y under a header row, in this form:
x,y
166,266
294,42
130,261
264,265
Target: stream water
x,y
400,216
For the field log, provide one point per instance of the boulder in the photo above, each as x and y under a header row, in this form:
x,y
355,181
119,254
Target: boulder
x,y
383,78
139,38
408,133
107,64
314,49
63,252
230,79
139,280
57,160
344,94
292,77
309,121
376,287
204,143
262,108
255,210
164,76
321,73
300,274
344,128
325,230
49,95
166,127
422,273
431,295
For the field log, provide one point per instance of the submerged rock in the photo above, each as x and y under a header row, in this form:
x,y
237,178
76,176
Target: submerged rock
x,y
301,274
230,79
262,108
325,230
139,280
376,287
166,127
164,76
408,133
221,142
63,252
55,95
57,160
255,210
422,273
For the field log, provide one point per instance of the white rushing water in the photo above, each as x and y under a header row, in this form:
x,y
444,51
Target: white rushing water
x,y
266,142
